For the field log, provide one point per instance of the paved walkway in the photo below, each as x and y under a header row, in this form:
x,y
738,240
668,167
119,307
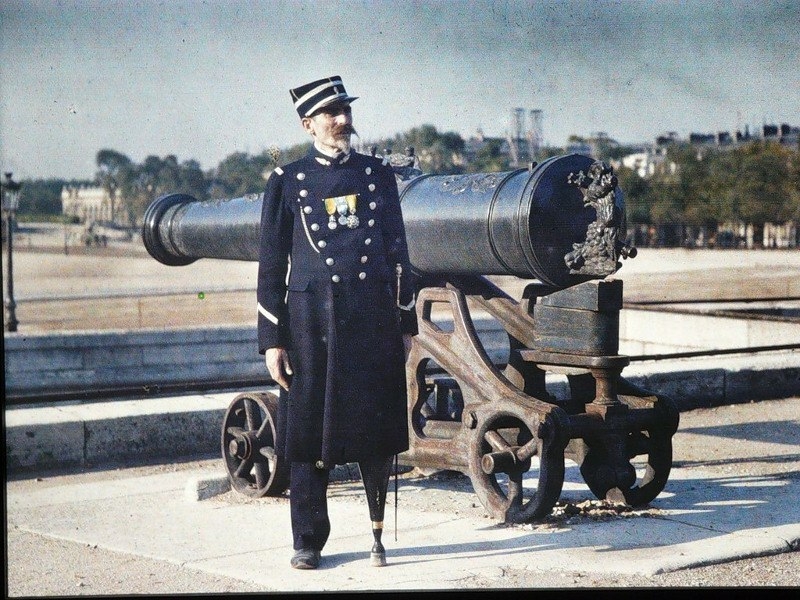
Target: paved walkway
x,y
732,494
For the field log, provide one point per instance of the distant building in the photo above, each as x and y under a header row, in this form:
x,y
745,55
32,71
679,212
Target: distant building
x,y
650,161
702,139
671,137
785,134
477,142
92,205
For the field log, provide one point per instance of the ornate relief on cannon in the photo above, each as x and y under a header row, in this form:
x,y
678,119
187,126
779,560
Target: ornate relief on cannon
x,y
598,255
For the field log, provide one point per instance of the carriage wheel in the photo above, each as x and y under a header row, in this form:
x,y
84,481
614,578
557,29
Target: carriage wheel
x,y
248,446
501,454
644,486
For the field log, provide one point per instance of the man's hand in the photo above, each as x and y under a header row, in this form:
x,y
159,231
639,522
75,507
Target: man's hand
x,y
280,370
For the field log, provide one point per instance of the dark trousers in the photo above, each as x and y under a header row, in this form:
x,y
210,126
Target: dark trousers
x,y
308,499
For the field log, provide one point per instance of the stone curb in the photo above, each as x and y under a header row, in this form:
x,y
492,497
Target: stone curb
x,y
59,435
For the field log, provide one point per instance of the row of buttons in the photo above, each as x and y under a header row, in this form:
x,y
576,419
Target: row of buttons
x,y
308,209
330,262
323,243
337,279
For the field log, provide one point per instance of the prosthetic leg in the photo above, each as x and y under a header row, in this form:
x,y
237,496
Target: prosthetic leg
x,y
375,475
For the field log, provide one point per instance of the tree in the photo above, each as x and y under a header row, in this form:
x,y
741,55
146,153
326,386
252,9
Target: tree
x,y
637,193
292,153
42,197
116,173
489,158
240,173
762,190
437,152
794,184
192,180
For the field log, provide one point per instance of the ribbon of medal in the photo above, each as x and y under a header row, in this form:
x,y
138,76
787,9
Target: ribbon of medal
x,y
345,207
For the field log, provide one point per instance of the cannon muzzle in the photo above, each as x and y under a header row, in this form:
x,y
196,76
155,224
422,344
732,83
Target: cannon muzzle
x,y
560,222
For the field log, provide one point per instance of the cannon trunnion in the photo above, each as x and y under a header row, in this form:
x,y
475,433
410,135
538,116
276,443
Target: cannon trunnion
x,y
559,223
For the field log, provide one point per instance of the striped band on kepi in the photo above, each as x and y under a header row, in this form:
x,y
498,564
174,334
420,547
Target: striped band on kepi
x,y
318,94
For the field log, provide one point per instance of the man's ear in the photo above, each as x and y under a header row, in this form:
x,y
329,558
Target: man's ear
x,y
307,124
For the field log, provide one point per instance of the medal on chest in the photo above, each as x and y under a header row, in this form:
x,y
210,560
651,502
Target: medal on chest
x,y
345,208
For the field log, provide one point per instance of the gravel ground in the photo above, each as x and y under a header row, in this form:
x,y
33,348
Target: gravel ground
x,y
122,287
63,568
42,566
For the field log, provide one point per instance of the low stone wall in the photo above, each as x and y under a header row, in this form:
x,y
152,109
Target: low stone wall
x,y
652,331
48,364
95,360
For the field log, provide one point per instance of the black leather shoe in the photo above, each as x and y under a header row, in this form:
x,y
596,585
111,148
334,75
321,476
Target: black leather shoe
x,y
305,559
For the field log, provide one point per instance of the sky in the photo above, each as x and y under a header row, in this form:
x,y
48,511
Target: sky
x,y
202,79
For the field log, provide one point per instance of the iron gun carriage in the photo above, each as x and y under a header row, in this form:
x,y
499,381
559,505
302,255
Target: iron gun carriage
x,y
559,224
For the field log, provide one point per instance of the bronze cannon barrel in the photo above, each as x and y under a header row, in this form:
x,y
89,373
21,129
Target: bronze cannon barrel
x,y
548,222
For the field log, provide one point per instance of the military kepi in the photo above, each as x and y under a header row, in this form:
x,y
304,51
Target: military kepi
x,y
318,94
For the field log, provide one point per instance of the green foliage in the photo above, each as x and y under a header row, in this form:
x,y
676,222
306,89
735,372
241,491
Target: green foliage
x,y
636,191
293,153
489,158
615,152
42,197
754,182
437,152
239,174
546,152
762,183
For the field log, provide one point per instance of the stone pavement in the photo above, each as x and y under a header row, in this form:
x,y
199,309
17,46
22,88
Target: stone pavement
x,y
732,494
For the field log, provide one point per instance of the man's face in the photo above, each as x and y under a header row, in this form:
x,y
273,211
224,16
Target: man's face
x,y
331,127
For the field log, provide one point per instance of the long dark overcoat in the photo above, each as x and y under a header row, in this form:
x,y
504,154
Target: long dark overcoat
x,y
337,229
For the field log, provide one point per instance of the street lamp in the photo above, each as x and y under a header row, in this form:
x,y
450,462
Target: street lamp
x,y
10,202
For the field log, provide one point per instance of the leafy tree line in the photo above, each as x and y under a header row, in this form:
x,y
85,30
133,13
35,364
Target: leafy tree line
x,y
754,183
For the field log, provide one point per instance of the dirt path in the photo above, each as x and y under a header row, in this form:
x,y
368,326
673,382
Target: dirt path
x,y
121,287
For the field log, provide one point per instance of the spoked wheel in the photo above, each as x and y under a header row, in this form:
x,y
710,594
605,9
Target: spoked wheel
x,y
632,487
500,456
248,446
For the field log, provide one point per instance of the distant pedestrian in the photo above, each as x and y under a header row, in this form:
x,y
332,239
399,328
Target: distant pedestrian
x,y
336,331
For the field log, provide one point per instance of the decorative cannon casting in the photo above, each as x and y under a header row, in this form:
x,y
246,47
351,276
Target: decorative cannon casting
x,y
560,223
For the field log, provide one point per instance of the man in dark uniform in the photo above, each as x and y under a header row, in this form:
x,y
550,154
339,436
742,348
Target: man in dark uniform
x,y
336,316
